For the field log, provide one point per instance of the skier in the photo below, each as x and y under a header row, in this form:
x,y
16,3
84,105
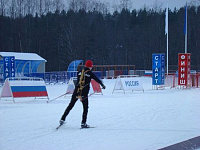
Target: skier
x,y
81,92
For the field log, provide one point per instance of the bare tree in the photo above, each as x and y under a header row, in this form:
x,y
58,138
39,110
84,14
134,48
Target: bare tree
x,y
73,5
104,8
195,3
3,5
12,9
20,7
89,5
76,5
29,7
100,7
157,6
41,7
115,7
58,5
125,4
47,6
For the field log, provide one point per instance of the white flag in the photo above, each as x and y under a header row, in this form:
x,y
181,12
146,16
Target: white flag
x,y
166,21
185,20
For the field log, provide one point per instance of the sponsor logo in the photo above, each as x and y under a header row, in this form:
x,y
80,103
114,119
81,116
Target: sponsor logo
x,y
132,83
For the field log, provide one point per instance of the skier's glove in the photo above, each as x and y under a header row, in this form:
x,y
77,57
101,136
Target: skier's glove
x,y
103,86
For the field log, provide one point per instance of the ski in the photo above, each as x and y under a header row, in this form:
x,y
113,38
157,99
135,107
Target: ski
x,y
58,126
80,128
87,127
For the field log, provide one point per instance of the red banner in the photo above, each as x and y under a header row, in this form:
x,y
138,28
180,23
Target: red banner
x,y
184,66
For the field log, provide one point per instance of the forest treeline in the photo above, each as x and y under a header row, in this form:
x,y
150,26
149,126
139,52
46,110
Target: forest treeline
x,y
120,38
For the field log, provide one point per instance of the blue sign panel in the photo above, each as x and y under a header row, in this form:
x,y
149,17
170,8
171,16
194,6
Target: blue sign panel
x,y
6,72
158,69
9,66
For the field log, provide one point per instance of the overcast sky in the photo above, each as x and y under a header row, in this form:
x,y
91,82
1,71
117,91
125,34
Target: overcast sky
x,y
137,4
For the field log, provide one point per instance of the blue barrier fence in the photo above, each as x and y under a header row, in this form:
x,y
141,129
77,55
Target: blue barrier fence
x,y
64,76
53,77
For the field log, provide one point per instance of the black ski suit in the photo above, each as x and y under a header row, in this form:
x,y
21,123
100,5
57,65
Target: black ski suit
x,y
88,76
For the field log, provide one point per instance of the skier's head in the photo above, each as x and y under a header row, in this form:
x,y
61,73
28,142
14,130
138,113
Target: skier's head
x,y
89,64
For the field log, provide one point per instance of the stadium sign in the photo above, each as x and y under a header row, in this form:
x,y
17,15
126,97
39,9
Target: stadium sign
x,y
158,69
184,66
9,66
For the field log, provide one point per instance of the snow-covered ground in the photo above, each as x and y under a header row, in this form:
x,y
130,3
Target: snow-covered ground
x,y
133,121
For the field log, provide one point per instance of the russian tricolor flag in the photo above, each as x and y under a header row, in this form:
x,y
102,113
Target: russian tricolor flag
x,y
25,87
29,91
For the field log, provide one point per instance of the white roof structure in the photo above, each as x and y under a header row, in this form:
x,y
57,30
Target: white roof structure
x,y
22,56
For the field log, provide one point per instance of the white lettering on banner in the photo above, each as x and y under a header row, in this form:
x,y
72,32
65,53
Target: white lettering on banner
x,y
182,75
182,69
182,63
163,74
182,56
182,82
132,83
9,67
158,69
156,75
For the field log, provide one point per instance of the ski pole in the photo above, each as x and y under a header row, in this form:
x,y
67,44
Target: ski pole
x,y
57,97
87,96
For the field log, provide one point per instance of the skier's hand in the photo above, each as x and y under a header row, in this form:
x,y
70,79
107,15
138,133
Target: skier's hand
x,y
103,86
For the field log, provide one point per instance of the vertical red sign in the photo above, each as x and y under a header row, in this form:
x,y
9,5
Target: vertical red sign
x,y
184,68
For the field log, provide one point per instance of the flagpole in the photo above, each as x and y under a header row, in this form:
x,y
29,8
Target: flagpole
x,y
186,28
167,52
166,32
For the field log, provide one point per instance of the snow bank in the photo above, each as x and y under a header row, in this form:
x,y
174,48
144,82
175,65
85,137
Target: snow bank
x,y
136,120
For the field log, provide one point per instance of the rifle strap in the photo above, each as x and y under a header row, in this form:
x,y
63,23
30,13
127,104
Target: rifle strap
x,y
81,83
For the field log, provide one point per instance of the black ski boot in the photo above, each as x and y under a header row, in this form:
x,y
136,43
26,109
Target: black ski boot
x,y
84,125
61,122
